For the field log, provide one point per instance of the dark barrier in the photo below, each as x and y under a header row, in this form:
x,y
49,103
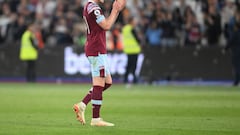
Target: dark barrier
x,y
186,63
189,63
59,62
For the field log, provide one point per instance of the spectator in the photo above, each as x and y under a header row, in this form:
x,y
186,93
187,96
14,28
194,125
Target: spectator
x,y
179,23
44,11
29,52
6,20
193,30
19,27
134,6
234,45
117,38
182,7
62,34
227,13
131,46
168,5
169,27
26,9
79,36
213,25
154,34
50,12
78,8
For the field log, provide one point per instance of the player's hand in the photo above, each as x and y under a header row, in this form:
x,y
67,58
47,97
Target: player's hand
x,y
119,5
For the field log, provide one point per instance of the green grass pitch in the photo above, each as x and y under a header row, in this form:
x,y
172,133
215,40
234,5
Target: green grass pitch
x,y
46,109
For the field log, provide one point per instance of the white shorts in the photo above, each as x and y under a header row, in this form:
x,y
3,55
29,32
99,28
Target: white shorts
x,y
99,65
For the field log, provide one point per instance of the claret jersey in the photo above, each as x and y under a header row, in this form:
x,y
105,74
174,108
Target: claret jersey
x,y
96,36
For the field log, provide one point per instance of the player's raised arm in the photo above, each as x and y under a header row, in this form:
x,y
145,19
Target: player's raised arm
x,y
117,6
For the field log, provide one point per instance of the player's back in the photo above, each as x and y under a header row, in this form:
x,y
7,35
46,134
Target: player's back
x,y
96,36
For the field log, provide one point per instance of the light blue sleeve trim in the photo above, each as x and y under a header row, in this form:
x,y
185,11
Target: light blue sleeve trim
x,y
100,18
97,102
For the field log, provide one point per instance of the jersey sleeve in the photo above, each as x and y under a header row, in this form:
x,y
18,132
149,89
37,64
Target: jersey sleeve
x,y
96,11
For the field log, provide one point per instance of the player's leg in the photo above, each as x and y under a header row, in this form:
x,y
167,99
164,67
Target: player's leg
x,y
134,66
98,86
97,103
101,81
127,69
31,71
28,73
88,96
108,82
237,79
80,107
100,78
237,73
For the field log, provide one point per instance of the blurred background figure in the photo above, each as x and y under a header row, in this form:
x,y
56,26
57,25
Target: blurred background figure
x,y
131,43
234,45
192,30
29,51
6,20
212,19
154,34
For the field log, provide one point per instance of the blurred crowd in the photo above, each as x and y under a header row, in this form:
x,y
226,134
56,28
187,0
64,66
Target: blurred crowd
x,y
160,22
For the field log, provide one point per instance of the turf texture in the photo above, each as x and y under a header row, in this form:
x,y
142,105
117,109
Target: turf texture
x,y
46,109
